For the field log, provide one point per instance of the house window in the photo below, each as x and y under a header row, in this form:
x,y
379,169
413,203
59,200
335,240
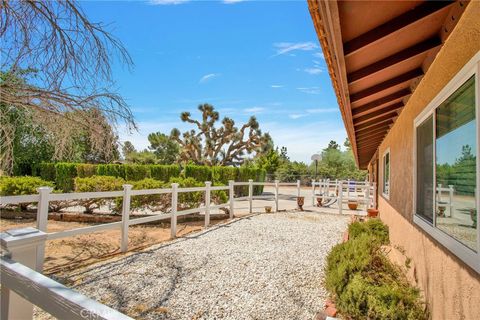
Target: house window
x,y
386,175
446,160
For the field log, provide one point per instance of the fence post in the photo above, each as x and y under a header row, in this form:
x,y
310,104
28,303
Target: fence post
x,y
298,188
231,195
313,192
208,184
276,195
450,199
23,246
127,188
250,195
374,196
173,218
340,197
42,218
348,190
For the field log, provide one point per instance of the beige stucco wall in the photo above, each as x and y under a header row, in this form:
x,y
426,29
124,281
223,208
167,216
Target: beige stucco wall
x,y
452,289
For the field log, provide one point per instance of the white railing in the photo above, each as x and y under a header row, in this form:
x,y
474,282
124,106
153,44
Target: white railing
x,y
20,281
363,192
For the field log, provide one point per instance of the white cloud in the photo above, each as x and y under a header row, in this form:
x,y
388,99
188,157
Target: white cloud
x,y
208,77
323,110
167,2
296,116
254,110
286,47
276,86
232,1
313,70
319,55
310,90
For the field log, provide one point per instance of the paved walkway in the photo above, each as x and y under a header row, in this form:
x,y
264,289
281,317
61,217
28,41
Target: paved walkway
x,y
267,266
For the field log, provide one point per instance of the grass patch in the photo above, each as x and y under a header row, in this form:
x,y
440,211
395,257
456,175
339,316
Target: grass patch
x,y
366,285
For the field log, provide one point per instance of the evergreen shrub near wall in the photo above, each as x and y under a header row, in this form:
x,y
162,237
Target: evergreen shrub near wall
x,y
114,170
85,170
45,170
135,172
365,283
221,175
199,173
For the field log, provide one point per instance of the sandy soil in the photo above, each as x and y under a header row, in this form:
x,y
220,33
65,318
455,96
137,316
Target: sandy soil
x,y
64,255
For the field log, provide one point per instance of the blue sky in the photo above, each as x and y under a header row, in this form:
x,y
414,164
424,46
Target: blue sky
x,y
244,57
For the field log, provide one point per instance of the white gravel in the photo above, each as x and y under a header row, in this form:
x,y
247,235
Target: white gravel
x,y
268,266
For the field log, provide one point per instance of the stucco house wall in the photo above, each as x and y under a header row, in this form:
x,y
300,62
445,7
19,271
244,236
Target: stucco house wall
x,y
451,288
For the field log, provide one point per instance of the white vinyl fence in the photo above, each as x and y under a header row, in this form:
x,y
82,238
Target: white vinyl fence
x,y
22,286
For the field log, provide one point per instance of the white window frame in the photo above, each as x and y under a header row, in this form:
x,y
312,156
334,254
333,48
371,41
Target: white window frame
x,y
386,195
466,254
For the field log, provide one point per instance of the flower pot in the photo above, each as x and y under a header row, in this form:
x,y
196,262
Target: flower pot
x,y
319,201
353,205
441,211
300,202
268,209
372,212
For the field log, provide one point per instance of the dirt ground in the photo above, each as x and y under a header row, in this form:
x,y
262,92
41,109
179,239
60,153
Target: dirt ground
x,y
63,255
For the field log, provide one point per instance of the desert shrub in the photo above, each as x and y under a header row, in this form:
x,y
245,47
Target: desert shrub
x,y
373,227
15,186
187,200
65,175
114,170
97,184
154,202
260,175
199,173
365,283
85,170
45,170
164,172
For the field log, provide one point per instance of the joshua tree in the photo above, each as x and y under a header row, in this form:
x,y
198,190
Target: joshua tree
x,y
226,145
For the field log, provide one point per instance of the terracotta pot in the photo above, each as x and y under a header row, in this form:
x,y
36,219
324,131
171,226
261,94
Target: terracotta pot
x,y
372,212
319,201
352,205
300,202
268,209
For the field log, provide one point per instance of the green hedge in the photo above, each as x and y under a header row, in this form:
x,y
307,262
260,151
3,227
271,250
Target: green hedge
x,y
15,186
164,172
63,174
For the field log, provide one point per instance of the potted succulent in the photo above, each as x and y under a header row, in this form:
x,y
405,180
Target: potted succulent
x,y
268,209
319,201
300,202
372,212
352,205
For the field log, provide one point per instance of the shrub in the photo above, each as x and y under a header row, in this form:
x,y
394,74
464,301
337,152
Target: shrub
x,y
114,170
65,175
15,186
221,175
199,173
136,172
366,284
85,170
164,172
45,170
154,202
187,200
97,184
374,227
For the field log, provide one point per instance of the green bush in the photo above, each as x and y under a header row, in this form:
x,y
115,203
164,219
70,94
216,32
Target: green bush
x,y
164,172
187,200
136,172
65,175
221,175
365,283
155,202
374,227
97,184
15,186
114,170
45,170
85,170
199,173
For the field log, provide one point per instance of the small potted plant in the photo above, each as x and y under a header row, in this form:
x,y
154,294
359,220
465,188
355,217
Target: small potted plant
x,y
300,202
372,212
352,205
268,209
319,201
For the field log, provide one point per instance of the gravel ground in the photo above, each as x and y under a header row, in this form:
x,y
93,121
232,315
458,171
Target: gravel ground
x,y
267,266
